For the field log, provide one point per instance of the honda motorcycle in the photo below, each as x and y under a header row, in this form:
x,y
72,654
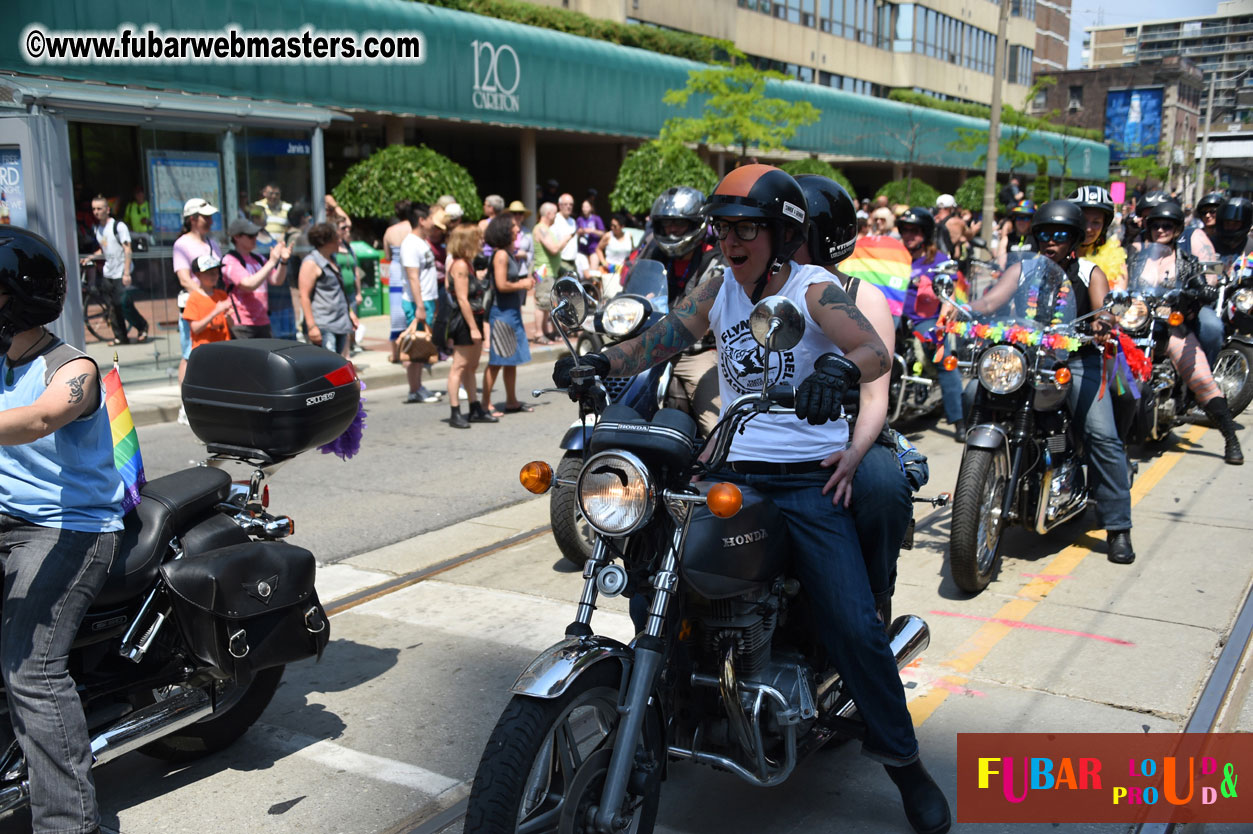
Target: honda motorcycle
x,y
204,605
727,671
1022,461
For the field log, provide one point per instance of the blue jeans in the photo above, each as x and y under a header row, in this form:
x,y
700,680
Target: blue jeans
x,y
831,570
1107,458
1208,328
335,342
50,578
882,506
950,381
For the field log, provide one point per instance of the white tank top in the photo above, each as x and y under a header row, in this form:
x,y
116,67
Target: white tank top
x,y
779,438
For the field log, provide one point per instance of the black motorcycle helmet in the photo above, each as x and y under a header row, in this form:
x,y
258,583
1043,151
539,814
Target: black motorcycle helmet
x,y
1213,200
921,218
32,274
832,219
1062,213
679,203
763,192
1148,201
1095,197
1239,210
1168,210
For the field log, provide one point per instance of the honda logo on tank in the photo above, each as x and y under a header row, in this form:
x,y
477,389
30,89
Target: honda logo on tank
x,y
497,74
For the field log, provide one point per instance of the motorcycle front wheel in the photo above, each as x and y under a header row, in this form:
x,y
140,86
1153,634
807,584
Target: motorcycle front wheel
x,y
977,523
544,766
1233,371
570,529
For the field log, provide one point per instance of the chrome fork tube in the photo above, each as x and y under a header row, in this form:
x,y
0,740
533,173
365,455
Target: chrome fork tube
x,y
587,602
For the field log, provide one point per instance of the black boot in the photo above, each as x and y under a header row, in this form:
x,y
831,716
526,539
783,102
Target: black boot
x,y
1120,550
478,415
458,420
959,431
926,807
1219,412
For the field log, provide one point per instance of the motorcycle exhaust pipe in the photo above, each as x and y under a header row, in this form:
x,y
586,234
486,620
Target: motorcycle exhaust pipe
x,y
14,796
908,637
149,724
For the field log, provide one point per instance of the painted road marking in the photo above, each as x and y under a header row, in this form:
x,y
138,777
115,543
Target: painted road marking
x,y
963,660
1034,627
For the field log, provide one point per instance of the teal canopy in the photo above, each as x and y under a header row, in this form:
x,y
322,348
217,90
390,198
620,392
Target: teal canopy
x,y
480,69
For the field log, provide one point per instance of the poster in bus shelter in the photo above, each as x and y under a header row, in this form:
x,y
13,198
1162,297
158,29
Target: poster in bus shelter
x,y
12,188
176,177
1133,123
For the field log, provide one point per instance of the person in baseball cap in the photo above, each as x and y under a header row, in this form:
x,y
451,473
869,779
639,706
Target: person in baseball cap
x,y
454,212
198,205
945,201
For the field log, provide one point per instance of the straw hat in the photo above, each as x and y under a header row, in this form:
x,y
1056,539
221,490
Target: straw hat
x,y
516,207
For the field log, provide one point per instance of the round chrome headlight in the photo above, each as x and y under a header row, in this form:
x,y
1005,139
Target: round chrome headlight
x,y
615,493
1163,311
1243,299
1135,316
1002,369
622,315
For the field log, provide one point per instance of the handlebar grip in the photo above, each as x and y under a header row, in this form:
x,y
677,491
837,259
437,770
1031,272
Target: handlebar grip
x,y
784,395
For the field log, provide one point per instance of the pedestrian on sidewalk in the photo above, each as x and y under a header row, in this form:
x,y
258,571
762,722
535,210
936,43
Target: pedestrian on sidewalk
x,y
392,238
322,293
206,312
246,277
466,326
508,347
284,295
195,241
115,248
548,244
421,292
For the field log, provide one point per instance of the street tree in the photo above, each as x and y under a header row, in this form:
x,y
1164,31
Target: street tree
x,y
809,165
371,187
652,168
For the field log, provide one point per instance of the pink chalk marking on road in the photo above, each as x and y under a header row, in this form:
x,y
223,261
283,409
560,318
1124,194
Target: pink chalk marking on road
x,y
940,683
1034,627
1048,577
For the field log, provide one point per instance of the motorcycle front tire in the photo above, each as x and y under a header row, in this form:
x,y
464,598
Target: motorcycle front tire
x,y
570,529
974,541
222,728
1233,371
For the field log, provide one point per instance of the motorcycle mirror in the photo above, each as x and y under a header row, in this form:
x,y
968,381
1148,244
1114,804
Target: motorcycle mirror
x,y
947,267
776,324
1118,302
570,303
943,285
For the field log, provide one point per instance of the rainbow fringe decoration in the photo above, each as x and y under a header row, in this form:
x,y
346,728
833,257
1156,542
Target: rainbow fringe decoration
x,y
126,456
1014,335
884,261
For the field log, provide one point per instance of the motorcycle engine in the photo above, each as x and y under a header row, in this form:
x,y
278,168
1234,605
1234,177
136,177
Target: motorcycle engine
x,y
747,623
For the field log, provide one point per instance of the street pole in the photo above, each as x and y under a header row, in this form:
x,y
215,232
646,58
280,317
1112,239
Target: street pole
x,y
1200,166
994,128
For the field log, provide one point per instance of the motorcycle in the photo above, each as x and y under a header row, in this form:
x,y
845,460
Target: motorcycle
x,y
641,304
1233,368
727,671
1022,461
204,604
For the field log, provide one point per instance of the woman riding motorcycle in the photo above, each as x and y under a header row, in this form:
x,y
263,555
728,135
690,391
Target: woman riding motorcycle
x,y
1165,225
758,213
1058,226
1108,254
922,308
866,476
1017,234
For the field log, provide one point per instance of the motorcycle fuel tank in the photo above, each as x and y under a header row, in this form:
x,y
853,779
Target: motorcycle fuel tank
x,y
726,557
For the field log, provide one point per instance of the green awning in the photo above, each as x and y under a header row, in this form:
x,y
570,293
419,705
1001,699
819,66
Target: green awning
x,y
523,76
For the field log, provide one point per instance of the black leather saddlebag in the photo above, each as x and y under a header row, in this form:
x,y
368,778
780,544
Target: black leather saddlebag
x,y
248,606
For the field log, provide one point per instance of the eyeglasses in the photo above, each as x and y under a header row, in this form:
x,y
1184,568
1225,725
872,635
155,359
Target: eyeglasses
x,y
745,230
1055,235
1206,211
1161,226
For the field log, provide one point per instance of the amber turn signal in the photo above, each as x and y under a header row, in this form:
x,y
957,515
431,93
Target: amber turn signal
x,y
950,363
1062,375
1176,319
724,499
536,476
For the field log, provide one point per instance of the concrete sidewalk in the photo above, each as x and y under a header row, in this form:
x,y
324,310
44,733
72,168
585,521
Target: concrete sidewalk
x,y
159,402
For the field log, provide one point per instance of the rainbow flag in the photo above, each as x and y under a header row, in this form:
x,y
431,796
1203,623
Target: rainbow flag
x,y
884,261
126,457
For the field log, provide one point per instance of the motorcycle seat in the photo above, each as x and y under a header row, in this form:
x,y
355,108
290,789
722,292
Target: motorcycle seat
x,y
170,503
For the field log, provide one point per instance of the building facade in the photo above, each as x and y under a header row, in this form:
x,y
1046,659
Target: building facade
x,y
869,47
1052,36
1221,45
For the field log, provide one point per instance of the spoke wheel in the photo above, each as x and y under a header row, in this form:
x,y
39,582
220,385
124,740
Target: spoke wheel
x,y
977,519
543,769
1233,371
96,315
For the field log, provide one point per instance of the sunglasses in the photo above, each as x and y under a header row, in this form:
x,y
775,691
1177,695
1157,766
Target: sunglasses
x,y
745,230
1055,236
1162,226
1206,211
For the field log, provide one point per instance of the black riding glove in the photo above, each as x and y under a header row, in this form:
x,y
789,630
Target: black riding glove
x,y
563,370
818,397
1201,290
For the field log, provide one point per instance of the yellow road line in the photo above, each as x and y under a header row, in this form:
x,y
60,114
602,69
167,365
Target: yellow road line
x,y
963,660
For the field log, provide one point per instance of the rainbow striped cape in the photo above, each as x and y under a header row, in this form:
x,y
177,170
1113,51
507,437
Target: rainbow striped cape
x,y
884,261
126,457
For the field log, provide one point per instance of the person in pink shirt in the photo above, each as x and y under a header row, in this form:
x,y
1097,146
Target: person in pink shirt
x,y
245,275
194,242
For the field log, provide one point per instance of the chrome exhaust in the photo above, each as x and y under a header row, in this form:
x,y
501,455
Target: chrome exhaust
x,y
14,796
908,637
149,724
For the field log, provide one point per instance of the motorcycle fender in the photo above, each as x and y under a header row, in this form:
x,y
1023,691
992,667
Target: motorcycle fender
x,y
552,672
1246,338
572,440
991,437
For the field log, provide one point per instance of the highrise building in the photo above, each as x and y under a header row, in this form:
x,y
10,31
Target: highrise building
x,y
1052,36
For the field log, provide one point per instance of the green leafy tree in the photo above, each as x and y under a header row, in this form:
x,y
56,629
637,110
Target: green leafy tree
x,y
910,191
809,165
736,111
969,195
401,172
652,168
1146,169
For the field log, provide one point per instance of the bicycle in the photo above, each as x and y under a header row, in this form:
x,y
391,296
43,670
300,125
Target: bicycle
x,y
96,311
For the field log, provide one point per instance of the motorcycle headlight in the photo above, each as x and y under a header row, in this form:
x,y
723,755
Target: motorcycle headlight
x,y
615,493
1002,369
622,315
1135,316
1163,311
1243,299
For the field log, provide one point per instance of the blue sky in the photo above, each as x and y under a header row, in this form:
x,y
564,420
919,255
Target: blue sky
x,y
1125,12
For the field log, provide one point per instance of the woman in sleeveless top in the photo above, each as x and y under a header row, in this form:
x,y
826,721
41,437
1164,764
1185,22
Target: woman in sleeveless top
x,y
467,325
322,296
392,237
508,344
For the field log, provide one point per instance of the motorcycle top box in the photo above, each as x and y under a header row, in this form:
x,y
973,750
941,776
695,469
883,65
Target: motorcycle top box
x,y
268,399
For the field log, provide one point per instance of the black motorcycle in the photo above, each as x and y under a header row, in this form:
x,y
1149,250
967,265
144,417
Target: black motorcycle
x,y
1233,368
203,607
1022,461
727,672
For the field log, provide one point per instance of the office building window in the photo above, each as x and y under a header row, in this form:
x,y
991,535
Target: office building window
x,y
904,41
1075,99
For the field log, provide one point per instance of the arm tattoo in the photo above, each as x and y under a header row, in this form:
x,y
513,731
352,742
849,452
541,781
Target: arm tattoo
x,y
665,338
77,385
838,300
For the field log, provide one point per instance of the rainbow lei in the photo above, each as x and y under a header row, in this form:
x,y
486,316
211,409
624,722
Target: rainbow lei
x,y
1033,302
1014,334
